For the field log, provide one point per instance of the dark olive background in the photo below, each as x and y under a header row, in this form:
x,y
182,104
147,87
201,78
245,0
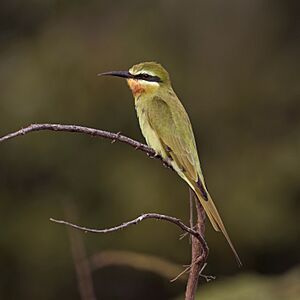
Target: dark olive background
x,y
234,65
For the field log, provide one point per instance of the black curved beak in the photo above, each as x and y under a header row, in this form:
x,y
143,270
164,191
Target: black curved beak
x,y
123,74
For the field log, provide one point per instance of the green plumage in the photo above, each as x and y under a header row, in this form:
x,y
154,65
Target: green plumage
x,y
167,129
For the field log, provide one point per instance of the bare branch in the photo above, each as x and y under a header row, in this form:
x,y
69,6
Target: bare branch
x,y
139,219
199,245
80,129
89,131
199,253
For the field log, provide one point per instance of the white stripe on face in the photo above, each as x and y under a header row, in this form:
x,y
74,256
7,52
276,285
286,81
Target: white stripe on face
x,y
149,83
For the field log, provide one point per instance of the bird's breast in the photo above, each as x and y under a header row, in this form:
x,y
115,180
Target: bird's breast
x,y
149,134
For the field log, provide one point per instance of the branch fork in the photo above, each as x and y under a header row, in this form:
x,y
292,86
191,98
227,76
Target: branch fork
x,y
199,246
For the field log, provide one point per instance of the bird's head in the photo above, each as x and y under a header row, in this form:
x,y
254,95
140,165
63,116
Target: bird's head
x,y
142,78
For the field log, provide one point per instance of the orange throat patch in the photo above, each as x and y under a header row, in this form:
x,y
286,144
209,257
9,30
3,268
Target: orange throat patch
x,y
136,87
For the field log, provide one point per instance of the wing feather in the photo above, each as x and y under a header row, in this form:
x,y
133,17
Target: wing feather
x,y
174,130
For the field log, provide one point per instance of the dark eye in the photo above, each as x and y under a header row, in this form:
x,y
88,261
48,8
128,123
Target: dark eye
x,y
148,77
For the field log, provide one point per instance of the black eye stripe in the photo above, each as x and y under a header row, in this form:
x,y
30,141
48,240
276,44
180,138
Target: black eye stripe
x,y
147,77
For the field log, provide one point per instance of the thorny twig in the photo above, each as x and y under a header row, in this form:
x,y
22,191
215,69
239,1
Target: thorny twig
x,y
135,222
199,256
89,131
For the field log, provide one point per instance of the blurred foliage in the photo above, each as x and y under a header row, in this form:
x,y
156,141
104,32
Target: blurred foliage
x,y
252,286
235,66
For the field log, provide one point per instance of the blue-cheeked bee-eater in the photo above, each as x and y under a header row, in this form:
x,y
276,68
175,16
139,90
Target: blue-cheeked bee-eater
x,y
167,129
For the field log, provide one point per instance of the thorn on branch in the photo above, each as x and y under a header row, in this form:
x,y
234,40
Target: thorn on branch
x,y
117,137
208,278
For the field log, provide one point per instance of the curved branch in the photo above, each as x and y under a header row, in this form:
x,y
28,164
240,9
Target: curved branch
x,y
89,131
81,129
135,222
84,130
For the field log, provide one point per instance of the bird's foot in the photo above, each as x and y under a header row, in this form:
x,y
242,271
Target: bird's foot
x,y
155,155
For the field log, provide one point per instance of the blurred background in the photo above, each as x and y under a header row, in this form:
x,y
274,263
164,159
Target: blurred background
x,y
235,66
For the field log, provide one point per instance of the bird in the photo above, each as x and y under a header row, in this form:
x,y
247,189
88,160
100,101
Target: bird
x,y
167,129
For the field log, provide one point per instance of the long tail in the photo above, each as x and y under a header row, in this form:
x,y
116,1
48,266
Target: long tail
x,y
214,217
